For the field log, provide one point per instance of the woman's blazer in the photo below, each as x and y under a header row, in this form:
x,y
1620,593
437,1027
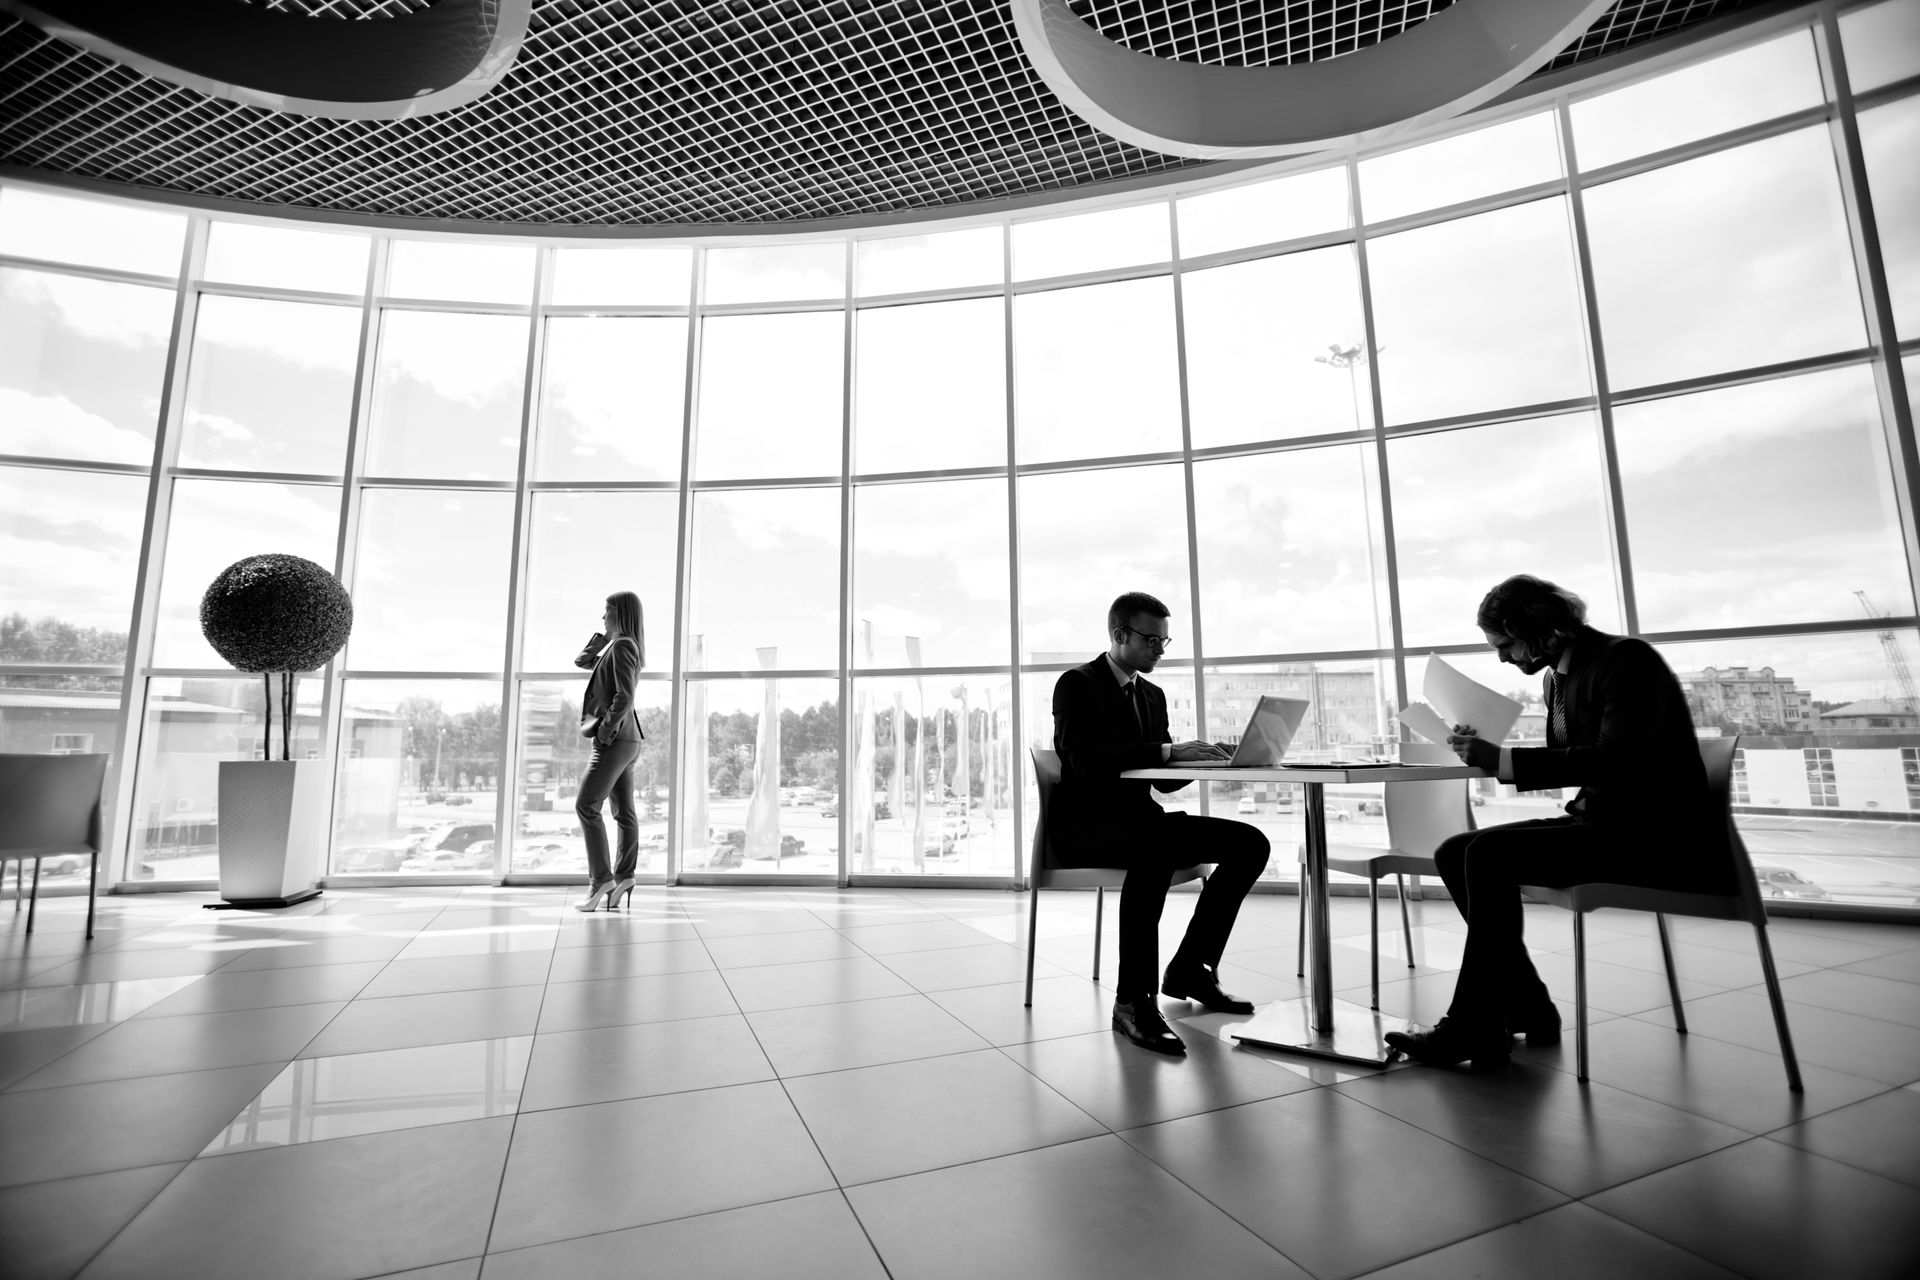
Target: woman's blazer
x,y
609,695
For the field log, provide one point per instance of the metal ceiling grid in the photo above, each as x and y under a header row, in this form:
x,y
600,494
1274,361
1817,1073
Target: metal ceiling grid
x,y
692,112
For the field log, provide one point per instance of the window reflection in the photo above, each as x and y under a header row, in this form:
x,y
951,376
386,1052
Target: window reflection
x,y
1761,504
1730,261
761,795
1826,724
943,260
901,352
1086,537
777,273
1472,506
1501,157
1094,372
933,776
216,522
81,366
1091,242
765,575
92,233
1772,79
69,550
191,726
1882,43
286,258
461,271
430,580
1264,212
612,399
270,386
1275,349
418,778
583,547
930,574
552,757
632,277
447,396
1889,139
1479,314
770,389
1291,552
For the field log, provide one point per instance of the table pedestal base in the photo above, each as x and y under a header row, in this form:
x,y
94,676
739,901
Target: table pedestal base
x,y
1358,1034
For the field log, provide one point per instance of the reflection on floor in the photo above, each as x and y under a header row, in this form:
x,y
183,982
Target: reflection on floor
x,y
738,1082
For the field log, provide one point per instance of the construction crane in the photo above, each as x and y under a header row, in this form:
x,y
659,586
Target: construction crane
x,y
1896,661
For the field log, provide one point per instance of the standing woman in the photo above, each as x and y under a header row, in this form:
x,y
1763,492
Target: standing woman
x,y
607,716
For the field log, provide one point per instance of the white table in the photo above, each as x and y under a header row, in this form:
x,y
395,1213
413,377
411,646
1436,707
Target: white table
x,y
1318,1025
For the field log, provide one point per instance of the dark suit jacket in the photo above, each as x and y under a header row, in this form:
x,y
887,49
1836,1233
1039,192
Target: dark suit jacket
x,y
1094,732
1630,745
609,695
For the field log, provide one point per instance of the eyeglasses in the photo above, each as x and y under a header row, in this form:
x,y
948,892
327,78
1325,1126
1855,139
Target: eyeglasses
x,y
1156,643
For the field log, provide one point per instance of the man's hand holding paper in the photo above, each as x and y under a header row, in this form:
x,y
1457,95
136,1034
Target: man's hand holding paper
x,y
1463,714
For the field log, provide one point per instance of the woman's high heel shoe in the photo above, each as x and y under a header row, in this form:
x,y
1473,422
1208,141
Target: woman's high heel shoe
x,y
594,894
621,889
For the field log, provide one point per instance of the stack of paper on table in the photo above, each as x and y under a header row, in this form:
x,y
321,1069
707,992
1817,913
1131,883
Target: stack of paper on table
x,y
1450,699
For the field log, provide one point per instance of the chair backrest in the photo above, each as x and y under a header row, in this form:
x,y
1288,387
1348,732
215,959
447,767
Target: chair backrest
x,y
1046,772
1422,814
50,804
1717,755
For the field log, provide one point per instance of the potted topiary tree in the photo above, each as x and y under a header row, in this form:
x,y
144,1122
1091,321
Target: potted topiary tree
x,y
274,613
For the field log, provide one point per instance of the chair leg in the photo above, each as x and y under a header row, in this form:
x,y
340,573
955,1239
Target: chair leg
x,y
1099,918
1406,921
33,903
1373,933
93,883
1033,934
1673,983
1779,1007
1300,956
1580,995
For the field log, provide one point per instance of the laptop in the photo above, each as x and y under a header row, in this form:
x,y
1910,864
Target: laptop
x,y
1269,732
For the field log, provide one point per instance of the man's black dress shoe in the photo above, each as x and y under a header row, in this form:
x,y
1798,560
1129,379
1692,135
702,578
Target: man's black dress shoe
x,y
1202,985
1140,1022
1448,1043
1541,1026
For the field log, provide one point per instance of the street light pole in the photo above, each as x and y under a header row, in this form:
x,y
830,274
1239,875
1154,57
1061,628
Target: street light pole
x,y
1351,359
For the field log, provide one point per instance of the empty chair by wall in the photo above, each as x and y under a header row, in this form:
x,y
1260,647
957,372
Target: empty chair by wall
x,y
49,807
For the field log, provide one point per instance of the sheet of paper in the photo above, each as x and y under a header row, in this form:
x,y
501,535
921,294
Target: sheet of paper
x,y
1462,701
1425,721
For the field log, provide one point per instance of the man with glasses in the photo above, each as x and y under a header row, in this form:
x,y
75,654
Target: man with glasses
x,y
1107,719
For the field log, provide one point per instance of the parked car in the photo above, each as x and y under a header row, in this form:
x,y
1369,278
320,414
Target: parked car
x,y
1778,882
457,800
453,837
1247,805
1373,809
440,863
369,858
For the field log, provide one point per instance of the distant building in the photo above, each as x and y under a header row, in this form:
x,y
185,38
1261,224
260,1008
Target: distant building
x,y
1748,699
1874,715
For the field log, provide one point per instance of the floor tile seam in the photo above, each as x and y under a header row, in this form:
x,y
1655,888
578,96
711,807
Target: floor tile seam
x,y
1203,1197
642,1226
513,1124
1570,1068
1775,1049
1648,1230
132,1217
1538,1213
891,1062
1903,1184
1037,1079
339,1137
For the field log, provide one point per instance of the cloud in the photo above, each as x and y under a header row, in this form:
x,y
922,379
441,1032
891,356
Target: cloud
x,y
54,426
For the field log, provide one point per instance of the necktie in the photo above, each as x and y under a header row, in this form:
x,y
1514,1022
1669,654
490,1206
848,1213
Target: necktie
x,y
1138,705
1556,709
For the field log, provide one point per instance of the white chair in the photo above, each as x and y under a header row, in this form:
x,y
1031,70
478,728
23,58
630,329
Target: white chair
x,y
1419,816
1743,903
1044,874
49,808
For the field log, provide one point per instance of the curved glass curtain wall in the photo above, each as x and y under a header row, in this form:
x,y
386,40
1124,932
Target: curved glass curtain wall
x,y
875,492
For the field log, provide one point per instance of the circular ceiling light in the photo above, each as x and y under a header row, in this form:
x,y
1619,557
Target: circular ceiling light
x,y
1456,60
411,58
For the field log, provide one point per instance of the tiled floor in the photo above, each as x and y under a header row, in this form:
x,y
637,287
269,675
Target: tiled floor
x,y
730,1083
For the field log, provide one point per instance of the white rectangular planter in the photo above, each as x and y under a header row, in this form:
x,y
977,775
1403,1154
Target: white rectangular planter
x,y
273,828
